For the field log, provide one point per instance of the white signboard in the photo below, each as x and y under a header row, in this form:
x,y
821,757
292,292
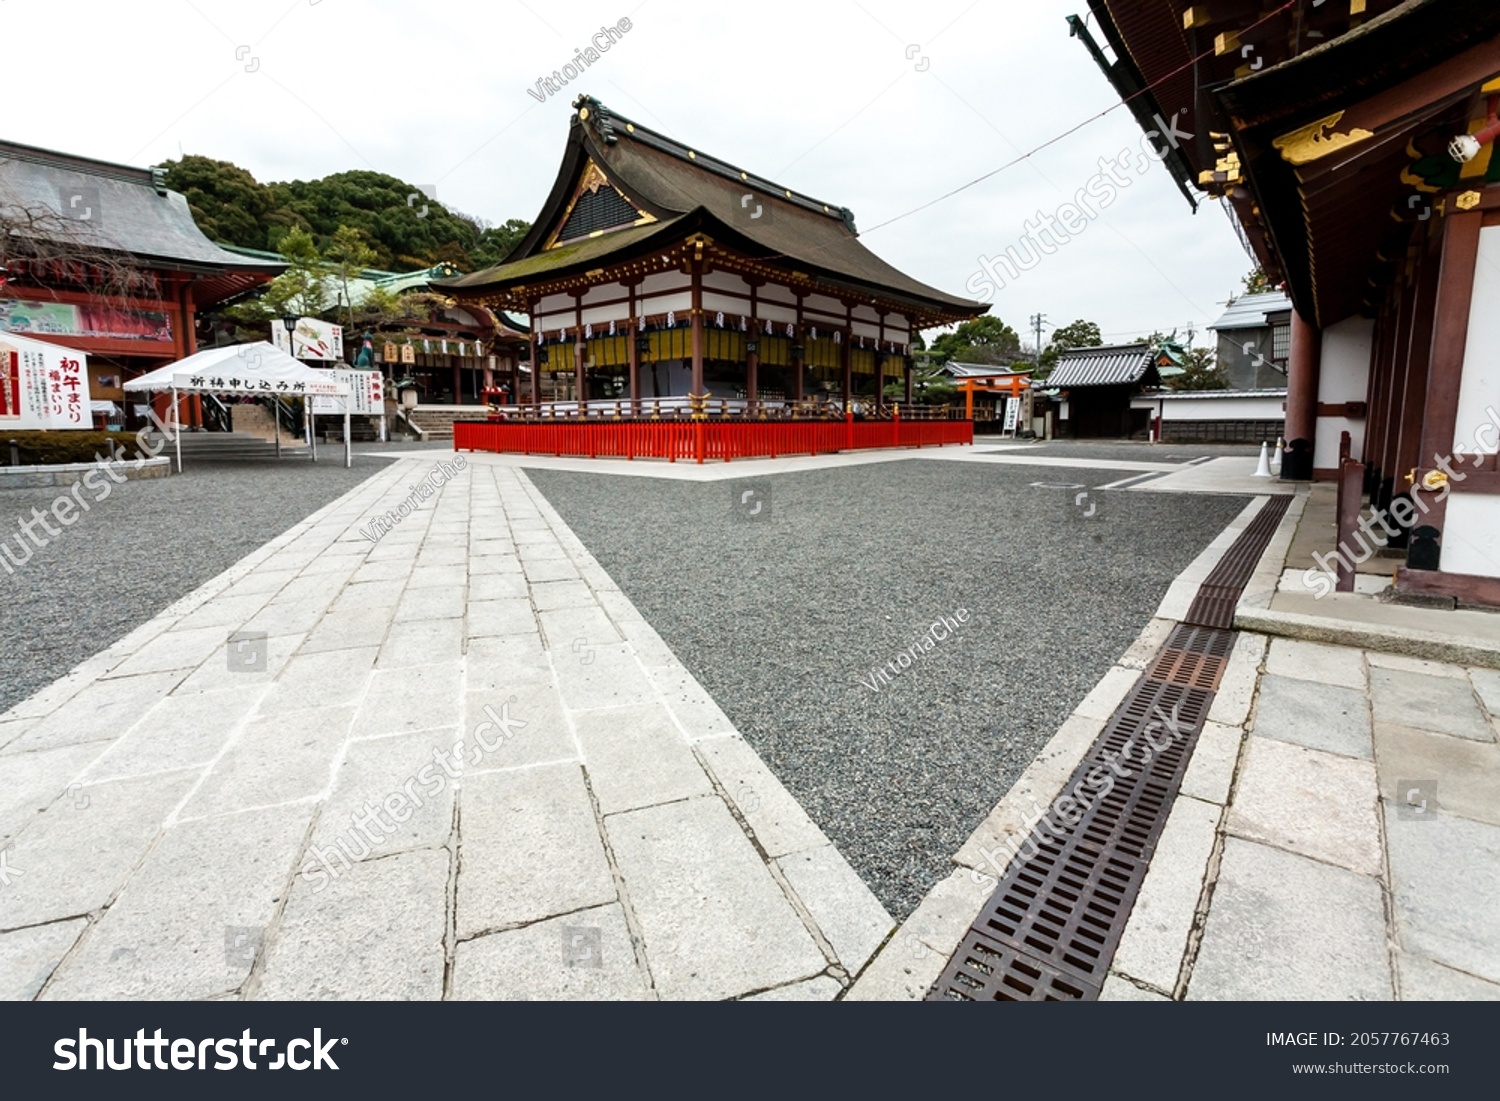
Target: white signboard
x,y
42,386
316,340
1012,413
366,395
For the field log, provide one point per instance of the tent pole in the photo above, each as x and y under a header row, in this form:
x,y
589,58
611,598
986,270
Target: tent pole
x,y
312,427
177,428
276,416
348,447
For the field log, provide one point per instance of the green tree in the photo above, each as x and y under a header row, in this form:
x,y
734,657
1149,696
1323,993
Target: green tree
x,y
302,288
1080,334
1257,282
1200,372
985,340
351,256
406,230
228,203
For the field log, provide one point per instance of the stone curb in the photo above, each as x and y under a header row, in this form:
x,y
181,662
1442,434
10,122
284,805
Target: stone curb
x,y
66,474
1426,645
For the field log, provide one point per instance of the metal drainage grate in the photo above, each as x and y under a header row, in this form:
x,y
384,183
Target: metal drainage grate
x,y
1190,668
1051,928
1220,591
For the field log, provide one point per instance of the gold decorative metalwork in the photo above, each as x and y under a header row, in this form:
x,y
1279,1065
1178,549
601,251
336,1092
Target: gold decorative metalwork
x,y
1435,481
1468,200
1317,140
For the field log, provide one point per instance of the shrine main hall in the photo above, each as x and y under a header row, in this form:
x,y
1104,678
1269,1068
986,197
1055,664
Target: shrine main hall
x,y
662,281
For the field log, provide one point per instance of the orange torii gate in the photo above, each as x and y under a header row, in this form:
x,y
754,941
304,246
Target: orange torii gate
x,y
1013,385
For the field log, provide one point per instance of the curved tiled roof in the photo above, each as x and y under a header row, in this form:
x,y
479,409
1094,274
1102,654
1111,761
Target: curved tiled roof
x,y
1118,365
684,190
127,211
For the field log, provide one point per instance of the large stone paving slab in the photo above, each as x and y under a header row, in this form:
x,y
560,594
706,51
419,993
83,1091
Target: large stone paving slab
x,y
587,956
1445,877
1318,804
716,924
190,922
1318,716
374,933
529,849
1444,704
29,956
1288,928
76,855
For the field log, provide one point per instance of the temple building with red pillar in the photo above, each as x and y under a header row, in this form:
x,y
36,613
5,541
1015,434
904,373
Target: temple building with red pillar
x,y
105,259
661,276
1352,144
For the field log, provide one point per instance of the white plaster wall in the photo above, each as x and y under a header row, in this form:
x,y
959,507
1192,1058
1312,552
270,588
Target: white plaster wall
x,y
1220,409
1344,377
1471,535
1479,392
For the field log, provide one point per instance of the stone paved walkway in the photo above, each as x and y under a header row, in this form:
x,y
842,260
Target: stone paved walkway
x,y
1349,848
453,763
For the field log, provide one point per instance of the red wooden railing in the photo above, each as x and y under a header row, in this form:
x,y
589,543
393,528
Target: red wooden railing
x,y
702,441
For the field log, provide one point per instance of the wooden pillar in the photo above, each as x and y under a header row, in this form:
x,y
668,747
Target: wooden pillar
x,y
846,361
879,381
1303,370
580,372
632,336
1395,384
697,388
1450,340
752,373
796,369
911,375
458,381
536,363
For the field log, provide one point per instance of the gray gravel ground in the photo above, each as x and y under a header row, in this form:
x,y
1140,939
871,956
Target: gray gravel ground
x,y
781,616
133,554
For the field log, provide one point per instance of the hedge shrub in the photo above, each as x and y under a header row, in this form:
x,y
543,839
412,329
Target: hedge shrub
x,y
55,448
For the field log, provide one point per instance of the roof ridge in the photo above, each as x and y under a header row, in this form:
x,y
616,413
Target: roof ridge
x,y
607,124
11,150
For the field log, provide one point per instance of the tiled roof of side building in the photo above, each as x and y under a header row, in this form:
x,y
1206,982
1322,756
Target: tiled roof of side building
x,y
126,209
1117,365
1253,311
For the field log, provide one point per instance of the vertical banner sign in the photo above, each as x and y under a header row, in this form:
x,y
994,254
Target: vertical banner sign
x,y
43,387
366,395
1012,413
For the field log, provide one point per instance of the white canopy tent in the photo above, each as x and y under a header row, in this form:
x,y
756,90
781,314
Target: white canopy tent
x,y
260,369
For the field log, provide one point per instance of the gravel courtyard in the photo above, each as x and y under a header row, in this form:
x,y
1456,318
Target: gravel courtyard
x,y
133,554
782,616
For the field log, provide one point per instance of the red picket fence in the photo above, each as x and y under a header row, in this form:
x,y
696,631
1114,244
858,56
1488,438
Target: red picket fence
x,y
702,441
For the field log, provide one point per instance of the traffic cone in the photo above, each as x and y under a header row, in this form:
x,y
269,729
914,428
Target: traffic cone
x,y
1276,456
1264,469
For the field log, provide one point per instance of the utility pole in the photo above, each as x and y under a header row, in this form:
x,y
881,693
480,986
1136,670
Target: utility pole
x,y
1037,321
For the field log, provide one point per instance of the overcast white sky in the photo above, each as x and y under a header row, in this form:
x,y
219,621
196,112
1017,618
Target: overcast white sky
x,y
821,97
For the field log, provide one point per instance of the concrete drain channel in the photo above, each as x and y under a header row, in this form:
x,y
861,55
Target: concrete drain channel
x,y
1050,930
